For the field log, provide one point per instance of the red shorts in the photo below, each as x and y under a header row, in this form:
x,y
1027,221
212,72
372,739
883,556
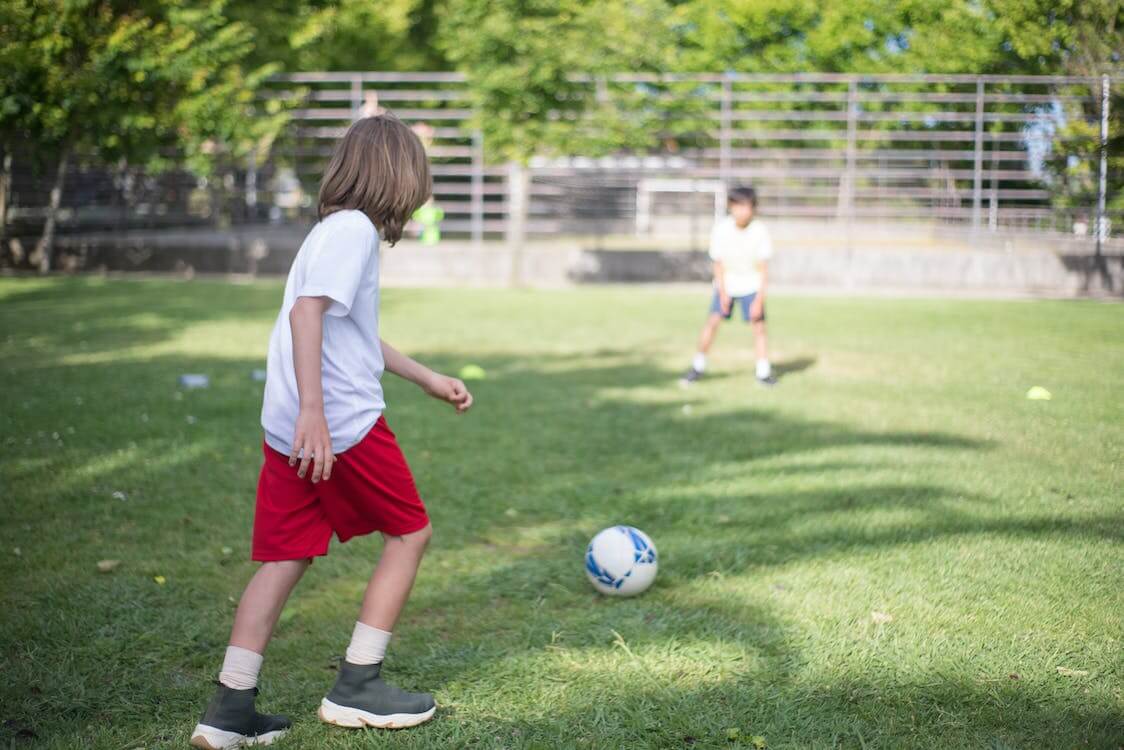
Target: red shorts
x,y
371,489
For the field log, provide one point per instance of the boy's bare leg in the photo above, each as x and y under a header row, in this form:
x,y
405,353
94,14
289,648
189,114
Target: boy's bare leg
x,y
709,331
390,584
360,696
760,340
706,338
262,602
764,369
231,720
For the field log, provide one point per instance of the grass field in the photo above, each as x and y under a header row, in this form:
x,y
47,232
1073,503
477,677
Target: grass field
x,y
898,469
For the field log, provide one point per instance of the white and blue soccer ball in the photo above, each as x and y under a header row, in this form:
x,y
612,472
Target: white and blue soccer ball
x,y
621,561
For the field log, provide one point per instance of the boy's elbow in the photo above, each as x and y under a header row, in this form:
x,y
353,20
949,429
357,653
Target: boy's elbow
x,y
308,307
297,312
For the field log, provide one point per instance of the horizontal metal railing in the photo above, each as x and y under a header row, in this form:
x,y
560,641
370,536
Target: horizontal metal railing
x,y
972,151
962,149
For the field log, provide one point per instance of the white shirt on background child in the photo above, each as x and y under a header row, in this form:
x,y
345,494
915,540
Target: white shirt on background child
x,y
740,250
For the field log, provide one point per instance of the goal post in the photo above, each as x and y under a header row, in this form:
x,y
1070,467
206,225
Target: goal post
x,y
647,187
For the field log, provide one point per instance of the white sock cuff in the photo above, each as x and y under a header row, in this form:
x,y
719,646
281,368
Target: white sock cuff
x,y
368,644
699,362
240,668
764,368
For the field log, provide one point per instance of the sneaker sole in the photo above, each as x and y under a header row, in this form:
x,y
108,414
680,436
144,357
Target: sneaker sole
x,y
354,718
212,738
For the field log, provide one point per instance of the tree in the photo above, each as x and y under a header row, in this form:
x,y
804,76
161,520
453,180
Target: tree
x,y
362,35
1075,37
864,36
343,34
1080,38
124,83
21,84
526,60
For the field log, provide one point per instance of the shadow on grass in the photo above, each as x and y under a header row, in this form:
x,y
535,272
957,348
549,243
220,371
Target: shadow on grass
x,y
94,316
852,715
794,365
781,369
558,446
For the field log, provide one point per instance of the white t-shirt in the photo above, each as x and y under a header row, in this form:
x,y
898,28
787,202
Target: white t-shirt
x,y
740,250
339,259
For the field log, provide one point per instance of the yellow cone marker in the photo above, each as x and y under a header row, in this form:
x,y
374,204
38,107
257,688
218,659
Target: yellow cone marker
x,y
472,372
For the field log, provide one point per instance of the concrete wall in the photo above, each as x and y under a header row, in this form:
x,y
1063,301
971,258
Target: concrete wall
x,y
1029,272
956,264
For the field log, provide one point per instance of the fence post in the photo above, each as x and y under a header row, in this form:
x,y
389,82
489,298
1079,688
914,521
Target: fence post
x,y
356,97
977,179
1101,227
993,198
643,208
724,145
477,186
5,191
517,189
846,207
601,90
252,185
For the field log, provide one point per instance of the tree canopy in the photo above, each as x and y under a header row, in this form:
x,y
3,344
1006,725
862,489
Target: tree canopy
x,y
135,81
141,74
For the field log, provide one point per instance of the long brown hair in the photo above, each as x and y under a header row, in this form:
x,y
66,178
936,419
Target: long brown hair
x,y
379,167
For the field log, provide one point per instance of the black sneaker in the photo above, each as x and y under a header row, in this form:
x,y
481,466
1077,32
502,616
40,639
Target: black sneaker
x,y
768,381
361,698
231,721
690,377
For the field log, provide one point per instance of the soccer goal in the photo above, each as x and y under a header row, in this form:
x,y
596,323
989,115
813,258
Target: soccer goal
x,y
648,187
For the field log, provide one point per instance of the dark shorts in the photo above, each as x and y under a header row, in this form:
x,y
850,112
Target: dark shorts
x,y
371,489
743,302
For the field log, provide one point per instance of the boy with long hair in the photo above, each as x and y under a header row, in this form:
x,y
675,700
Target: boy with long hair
x,y
332,465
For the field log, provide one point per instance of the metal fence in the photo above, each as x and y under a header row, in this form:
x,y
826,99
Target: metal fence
x,y
989,153
471,192
994,152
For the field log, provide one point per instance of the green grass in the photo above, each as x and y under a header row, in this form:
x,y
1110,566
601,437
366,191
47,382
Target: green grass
x,y
898,469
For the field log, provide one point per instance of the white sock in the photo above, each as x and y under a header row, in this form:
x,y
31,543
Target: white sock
x,y
699,362
240,668
764,369
368,645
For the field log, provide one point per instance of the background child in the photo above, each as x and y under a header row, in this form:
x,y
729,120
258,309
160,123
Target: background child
x,y
332,465
740,247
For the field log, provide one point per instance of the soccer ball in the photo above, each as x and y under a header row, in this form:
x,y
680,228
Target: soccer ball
x,y
621,561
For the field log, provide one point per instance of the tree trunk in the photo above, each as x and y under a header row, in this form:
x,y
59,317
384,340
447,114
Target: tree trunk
x,y
518,187
5,191
44,249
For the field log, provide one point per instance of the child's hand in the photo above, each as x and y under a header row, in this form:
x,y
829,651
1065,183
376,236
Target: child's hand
x,y
449,389
726,302
312,443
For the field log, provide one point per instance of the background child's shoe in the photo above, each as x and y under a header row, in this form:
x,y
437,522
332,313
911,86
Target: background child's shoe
x,y
691,376
361,698
232,721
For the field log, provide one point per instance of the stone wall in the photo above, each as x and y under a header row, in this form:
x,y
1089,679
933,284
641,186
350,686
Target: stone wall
x,y
877,261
